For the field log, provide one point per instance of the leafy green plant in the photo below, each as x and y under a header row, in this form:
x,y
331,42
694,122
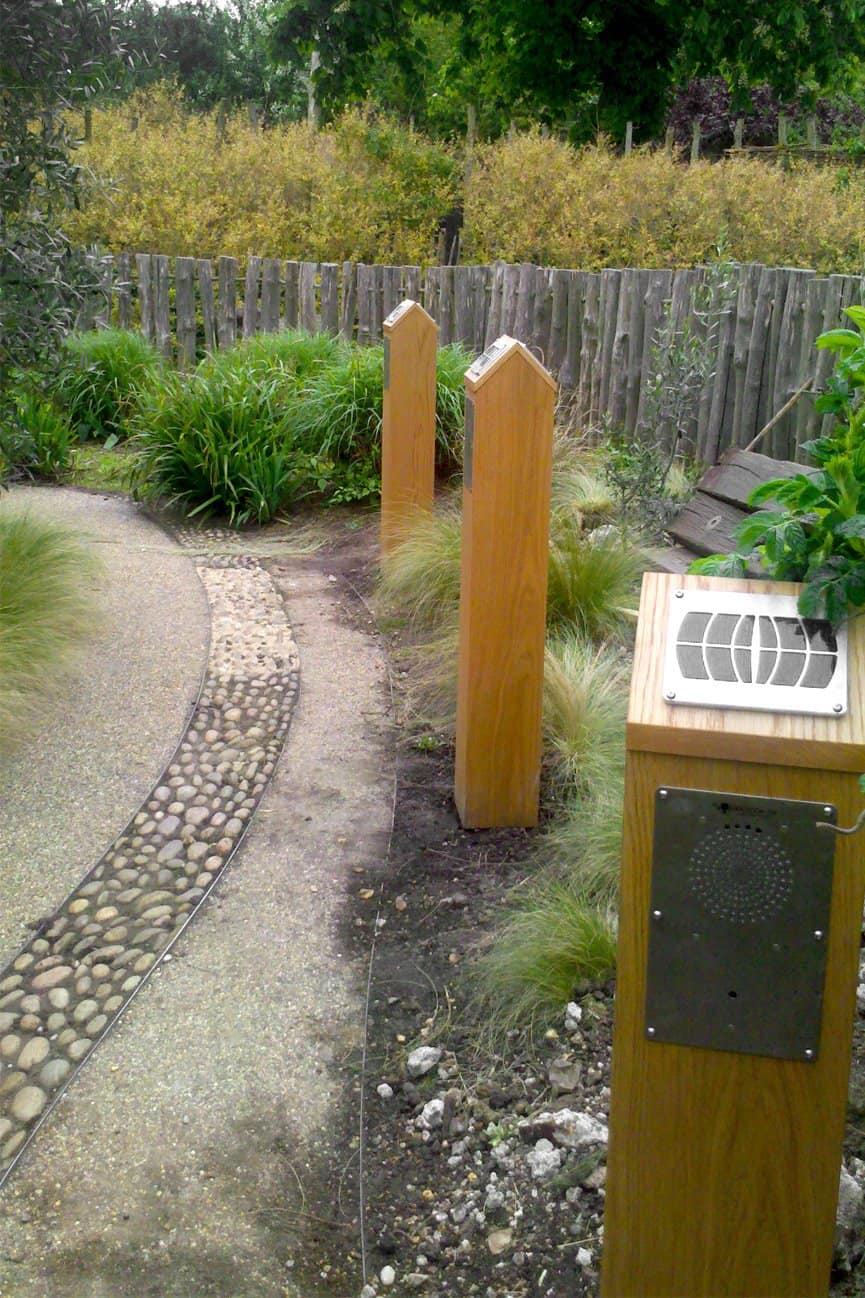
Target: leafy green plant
x,y
291,353
38,441
817,537
46,612
215,443
102,375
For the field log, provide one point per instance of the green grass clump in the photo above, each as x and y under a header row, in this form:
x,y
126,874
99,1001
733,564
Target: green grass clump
x,y
46,612
547,948
102,374
36,440
585,840
214,443
593,577
290,353
421,576
584,706
452,362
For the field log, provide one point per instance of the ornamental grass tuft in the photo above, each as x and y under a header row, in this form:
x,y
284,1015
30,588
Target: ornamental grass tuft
x,y
47,607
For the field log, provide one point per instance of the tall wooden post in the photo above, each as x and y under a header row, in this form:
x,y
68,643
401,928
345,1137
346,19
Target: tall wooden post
x,y
408,419
510,400
739,927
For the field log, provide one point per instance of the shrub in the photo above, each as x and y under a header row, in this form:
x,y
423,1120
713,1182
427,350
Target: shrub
x,y
46,612
215,443
363,188
593,578
101,377
291,354
37,441
533,198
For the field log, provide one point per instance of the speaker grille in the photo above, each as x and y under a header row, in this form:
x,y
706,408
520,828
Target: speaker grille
x,y
741,873
726,649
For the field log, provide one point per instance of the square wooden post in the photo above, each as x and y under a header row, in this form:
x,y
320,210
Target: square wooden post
x,y
408,419
726,1130
510,400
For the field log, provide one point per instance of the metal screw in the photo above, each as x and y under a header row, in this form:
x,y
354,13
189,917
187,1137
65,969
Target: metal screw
x,y
818,933
837,707
656,914
670,694
809,1054
679,594
662,793
828,811
650,1032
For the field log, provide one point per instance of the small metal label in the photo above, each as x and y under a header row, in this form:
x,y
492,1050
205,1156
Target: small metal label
x,y
739,922
397,312
727,649
386,363
486,358
469,444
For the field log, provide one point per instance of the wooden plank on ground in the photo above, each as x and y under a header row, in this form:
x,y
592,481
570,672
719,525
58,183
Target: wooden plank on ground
x,y
706,525
739,472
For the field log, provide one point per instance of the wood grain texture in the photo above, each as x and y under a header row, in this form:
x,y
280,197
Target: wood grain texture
x,y
819,743
503,593
723,1168
408,423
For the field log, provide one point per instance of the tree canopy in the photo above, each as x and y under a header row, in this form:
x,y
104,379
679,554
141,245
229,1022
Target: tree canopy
x,y
585,64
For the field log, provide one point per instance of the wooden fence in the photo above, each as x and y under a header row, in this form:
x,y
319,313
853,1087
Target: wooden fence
x,y
594,330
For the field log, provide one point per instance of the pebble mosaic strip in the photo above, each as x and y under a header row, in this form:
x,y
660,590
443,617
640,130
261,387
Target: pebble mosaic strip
x,y
65,990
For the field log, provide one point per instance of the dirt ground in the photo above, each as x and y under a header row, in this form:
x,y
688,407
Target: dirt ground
x,y
411,1210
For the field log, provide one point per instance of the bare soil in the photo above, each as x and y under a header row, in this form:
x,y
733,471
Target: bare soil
x,y
418,1201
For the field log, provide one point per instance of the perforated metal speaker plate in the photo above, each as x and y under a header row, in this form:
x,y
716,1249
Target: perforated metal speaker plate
x,y
727,649
739,922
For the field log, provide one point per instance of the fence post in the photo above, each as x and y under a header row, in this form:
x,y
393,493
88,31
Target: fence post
x,y
408,419
695,143
510,400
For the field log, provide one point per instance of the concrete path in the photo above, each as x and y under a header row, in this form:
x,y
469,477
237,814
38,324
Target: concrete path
x,y
166,1166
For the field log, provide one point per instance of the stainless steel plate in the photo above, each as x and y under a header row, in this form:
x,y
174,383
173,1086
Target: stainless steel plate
x,y
727,649
739,922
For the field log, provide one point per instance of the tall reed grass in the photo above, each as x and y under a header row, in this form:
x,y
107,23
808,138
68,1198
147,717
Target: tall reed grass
x,y
47,611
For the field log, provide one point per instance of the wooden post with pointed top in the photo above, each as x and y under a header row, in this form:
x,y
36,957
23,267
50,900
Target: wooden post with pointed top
x,y
510,399
408,419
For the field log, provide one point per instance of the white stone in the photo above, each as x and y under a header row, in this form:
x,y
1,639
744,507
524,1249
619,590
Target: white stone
x,y
422,1060
431,1116
851,1198
384,1091
387,1275
573,1016
544,1161
567,1128
584,1258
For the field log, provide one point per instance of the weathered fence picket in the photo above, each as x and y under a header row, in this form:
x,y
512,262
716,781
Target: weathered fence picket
x,y
598,331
